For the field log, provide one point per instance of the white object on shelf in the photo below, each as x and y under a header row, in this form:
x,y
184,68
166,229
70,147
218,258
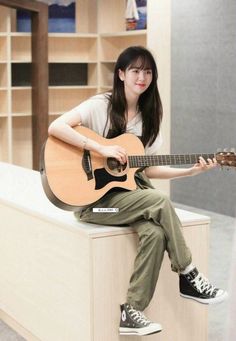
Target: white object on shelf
x,y
131,10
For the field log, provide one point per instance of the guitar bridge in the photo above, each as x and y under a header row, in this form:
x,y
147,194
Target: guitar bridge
x,y
87,165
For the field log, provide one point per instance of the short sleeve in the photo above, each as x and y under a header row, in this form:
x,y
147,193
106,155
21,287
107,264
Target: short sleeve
x,y
86,111
93,113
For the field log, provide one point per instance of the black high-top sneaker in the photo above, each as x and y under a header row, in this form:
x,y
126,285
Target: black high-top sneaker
x,y
197,287
134,322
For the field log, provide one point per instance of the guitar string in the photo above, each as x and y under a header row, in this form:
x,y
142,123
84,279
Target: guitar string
x,y
176,159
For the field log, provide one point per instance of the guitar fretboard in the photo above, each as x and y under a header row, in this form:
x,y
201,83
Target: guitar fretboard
x,y
136,161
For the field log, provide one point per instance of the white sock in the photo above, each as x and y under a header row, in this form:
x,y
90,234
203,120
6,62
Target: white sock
x,y
189,268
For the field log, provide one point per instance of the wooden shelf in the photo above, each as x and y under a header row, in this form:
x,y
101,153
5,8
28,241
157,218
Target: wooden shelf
x,y
4,145
4,13
64,87
62,47
107,72
3,101
24,60
21,100
112,46
21,48
3,115
21,135
75,87
3,75
108,61
21,88
3,48
64,99
72,60
75,48
20,34
73,35
124,33
20,114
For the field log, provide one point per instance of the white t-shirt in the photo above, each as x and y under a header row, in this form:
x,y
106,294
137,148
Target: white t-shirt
x,y
93,114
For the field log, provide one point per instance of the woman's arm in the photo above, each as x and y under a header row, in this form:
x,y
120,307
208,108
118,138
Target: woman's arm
x,y
160,172
62,128
64,131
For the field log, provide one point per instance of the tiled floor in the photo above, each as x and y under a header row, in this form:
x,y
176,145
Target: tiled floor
x,y
221,245
7,334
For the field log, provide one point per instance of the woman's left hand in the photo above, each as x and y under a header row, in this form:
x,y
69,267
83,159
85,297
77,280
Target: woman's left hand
x,y
203,166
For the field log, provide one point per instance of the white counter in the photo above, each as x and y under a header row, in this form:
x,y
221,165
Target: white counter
x,y
63,280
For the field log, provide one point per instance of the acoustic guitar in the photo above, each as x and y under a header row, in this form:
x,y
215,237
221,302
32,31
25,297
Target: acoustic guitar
x,y
73,177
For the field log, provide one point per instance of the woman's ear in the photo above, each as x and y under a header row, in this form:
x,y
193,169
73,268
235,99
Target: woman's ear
x,y
121,75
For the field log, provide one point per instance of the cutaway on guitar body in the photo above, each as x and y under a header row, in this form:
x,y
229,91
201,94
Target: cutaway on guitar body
x,y
73,177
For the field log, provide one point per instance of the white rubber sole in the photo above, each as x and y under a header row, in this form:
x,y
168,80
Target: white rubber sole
x,y
151,329
214,300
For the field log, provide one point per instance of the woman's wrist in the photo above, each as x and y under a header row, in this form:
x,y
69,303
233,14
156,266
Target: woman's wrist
x,y
190,172
91,145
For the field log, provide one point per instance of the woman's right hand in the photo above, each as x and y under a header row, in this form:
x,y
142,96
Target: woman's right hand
x,y
115,151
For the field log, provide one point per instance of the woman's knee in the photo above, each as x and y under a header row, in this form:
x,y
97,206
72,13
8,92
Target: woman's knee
x,y
157,204
151,232
157,235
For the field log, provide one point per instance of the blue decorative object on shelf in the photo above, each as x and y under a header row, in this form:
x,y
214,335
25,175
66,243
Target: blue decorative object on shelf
x,y
23,22
141,23
61,19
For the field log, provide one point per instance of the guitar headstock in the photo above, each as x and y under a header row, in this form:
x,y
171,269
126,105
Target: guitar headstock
x,y
226,158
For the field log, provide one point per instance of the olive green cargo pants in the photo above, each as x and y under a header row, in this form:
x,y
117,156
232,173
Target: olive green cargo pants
x,y
151,214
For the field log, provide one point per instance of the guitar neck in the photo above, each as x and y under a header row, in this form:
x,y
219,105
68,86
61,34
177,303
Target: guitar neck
x,y
136,161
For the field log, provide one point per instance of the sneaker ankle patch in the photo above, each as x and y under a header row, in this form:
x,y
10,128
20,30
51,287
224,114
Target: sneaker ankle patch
x,y
192,274
123,316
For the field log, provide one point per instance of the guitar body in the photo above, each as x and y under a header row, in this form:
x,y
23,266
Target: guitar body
x,y
73,177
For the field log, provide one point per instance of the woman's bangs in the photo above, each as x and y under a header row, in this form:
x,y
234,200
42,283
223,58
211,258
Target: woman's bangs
x,y
141,63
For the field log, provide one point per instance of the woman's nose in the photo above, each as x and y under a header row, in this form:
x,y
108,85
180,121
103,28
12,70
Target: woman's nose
x,y
141,75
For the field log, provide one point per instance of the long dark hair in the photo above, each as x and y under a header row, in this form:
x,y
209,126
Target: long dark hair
x,y
149,102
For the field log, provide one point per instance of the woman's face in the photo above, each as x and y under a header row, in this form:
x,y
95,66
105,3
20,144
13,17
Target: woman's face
x,y
136,78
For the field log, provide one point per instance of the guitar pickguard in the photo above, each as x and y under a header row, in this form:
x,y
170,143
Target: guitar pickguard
x,y
102,178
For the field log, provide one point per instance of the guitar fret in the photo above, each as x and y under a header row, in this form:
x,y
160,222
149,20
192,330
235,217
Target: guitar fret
x,y
136,161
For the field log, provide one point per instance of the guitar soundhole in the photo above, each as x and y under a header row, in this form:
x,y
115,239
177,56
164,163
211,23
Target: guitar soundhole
x,y
115,166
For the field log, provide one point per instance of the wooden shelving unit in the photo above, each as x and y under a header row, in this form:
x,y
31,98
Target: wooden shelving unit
x,y
97,42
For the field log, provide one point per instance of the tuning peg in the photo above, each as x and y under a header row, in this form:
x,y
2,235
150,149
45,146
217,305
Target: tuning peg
x,y
232,150
225,150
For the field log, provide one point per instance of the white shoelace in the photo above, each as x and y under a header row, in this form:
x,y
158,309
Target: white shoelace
x,y
138,316
202,284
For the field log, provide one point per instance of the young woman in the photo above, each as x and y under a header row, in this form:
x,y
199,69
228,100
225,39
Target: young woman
x,y
134,106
